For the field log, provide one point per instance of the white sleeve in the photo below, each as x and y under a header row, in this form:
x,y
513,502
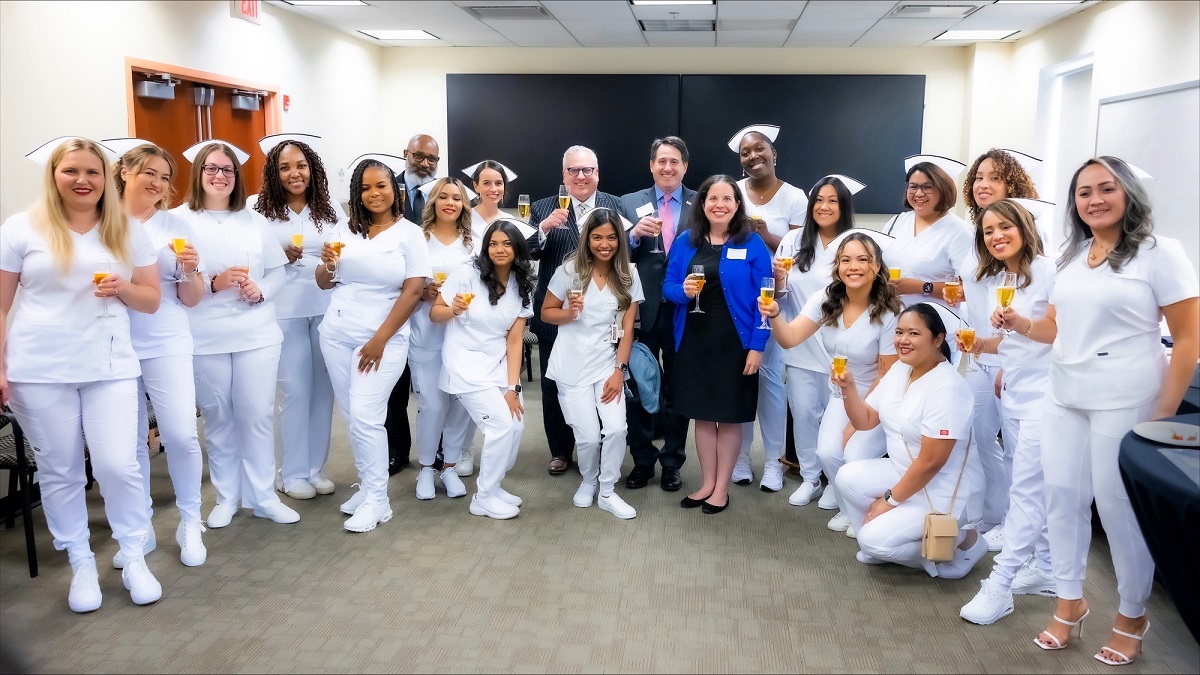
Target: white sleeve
x,y
140,247
799,207
273,255
812,307
1172,277
945,413
887,335
560,283
416,252
885,383
789,243
12,245
635,291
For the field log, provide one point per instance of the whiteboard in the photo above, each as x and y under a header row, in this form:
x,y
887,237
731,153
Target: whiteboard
x,y
1159,131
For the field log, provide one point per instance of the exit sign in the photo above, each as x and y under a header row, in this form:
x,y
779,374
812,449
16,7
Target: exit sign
x,y
250,10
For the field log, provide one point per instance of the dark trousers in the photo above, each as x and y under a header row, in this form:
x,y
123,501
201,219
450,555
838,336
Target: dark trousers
x,y
789,449
558,433
398,433
660,340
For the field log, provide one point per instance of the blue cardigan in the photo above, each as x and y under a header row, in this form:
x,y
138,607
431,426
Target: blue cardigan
x,y
740,279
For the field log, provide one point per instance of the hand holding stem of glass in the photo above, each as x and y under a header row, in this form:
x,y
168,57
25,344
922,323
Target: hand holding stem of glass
x,y
697,276
787,263
967,337
337,251
564,197
1005,294
298,242
839,369
576,293
179,245
467,292
97,277
766,292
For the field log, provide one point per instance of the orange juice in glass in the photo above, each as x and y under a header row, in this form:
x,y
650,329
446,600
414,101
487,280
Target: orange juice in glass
x,y
893,273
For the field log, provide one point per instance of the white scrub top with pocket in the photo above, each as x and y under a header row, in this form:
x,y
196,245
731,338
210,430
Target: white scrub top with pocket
x,y
165,332
1027,363
584,352
427,336
941,252
786,208
475,354
802,286
861,343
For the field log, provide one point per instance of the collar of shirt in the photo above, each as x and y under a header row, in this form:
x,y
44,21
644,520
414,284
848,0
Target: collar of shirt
x,y
591,204
413,183
676,195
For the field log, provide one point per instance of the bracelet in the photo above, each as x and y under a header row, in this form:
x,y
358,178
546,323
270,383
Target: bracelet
x,y
212,285
1028,330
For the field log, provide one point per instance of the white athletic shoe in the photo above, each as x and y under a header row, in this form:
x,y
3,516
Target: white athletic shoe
x,y
989,605
964,560
221,515
466,463
616,506
772,478
995,538
828,501
742,473
191,545
585,495
351,505
370,513
840,522
149,543
851,531
143,587
453,484
323,485
85,586
1031,580
867,559
508,497
806,493
425,483
493,507
296,489
278,512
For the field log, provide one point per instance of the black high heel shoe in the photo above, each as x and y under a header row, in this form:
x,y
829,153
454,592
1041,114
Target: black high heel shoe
x,y
710,509
689,503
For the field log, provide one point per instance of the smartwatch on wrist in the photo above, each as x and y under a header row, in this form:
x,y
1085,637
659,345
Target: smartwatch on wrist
x,y
515,388
887,497
927,289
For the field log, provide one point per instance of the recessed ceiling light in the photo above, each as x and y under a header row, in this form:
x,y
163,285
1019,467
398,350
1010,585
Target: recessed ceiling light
x,y
399,35
1040,2
327,3
670,2
976,35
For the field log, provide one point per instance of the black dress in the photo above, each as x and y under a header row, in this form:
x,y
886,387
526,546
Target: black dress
x,y
707,378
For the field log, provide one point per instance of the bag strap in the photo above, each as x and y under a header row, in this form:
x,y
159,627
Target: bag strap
x,y
954,496
891,224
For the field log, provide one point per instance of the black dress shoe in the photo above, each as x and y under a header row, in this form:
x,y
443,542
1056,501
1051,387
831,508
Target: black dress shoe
x,y
689,503
710,509
670,480
640,477
398,465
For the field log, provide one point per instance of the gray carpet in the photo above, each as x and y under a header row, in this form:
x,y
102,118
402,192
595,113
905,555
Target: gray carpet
x,y
762,587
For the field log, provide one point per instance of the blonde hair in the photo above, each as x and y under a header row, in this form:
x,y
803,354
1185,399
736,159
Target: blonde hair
x,y
429,213
49,214
135,160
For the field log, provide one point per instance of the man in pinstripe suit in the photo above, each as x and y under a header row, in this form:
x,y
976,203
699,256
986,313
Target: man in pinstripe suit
x,y
556,237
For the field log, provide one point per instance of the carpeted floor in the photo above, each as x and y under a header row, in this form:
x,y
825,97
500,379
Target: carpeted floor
x,y
762,587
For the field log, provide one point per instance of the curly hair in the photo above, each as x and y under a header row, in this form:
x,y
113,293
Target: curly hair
x,y
272,197
1031,243
520,266
1137,225
429,213
1017,183
883,296
360,217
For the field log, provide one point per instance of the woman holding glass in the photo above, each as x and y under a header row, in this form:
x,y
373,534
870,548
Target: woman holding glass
x,y
236,337
719,343
294,199
377,276
163,342
1116,281
481,356
67,364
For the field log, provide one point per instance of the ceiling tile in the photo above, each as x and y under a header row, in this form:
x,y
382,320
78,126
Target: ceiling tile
x,y
867,9
681,12
602,10
606,33
680,39
534,33
752,38
759,10
822,40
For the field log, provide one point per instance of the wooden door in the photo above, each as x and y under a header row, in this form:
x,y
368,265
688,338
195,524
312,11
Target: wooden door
x,y
171,125
243,128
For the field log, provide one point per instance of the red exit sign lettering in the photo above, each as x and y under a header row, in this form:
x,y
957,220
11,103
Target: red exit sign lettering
x,y
250,10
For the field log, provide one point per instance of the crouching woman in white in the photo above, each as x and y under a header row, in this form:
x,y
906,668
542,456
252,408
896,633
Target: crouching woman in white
x,y
481,356
68,367
925,408
593,297
379,275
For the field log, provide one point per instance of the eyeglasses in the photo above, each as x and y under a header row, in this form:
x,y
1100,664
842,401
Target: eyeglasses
x,y
585,170
924,188
212,169
421,158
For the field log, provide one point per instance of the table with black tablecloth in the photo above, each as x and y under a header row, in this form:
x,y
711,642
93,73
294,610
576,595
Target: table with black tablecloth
x,y
1164,488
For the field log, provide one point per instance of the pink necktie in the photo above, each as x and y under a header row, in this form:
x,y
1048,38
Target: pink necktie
x,y
668,223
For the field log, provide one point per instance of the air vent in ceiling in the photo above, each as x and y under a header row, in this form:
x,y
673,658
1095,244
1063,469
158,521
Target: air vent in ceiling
x,y
919,11
756,24
510,12
678,26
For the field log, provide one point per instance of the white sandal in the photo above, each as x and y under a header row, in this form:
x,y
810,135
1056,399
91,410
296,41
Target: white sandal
x,y
1057,643
1125,660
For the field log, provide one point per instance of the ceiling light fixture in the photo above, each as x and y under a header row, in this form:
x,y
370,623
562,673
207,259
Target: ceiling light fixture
x,y
399,35
326,3
650,3
1040,2
976,35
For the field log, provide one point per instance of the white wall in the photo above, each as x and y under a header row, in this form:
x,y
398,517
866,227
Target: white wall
x,y
63,69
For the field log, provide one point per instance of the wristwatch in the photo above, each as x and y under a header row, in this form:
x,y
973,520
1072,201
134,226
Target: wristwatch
x,y
887,497
515,387
927,289
624,367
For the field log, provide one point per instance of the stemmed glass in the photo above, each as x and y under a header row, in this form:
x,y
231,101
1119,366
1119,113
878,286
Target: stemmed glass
x,y
298,242
337,251
840,361
178,245
1005,293
966,335
523,207
467,291
106,269
564,197
576,292
766,291
402,197
698,275
657,240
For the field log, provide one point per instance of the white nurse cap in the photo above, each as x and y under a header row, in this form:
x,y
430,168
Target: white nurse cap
x,y
852,185
950,318
509,174
393,162
952,167
1138,171
268,143
1036,207
771,131
238,153
525,230
124,145
1031,164
884,240
427,190
41,154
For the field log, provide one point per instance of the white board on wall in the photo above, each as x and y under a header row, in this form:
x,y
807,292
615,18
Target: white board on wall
x,y
1159,131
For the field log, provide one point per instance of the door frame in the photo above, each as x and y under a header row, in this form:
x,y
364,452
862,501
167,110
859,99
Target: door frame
x,y
272,106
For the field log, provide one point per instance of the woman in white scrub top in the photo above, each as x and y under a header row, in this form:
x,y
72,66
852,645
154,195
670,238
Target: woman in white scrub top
x,y
924,407
775,208
67,365
295,200
235,335
490,180
486,305
446,229
855,317
163,342
1116,282
380,274
1007,242
591,355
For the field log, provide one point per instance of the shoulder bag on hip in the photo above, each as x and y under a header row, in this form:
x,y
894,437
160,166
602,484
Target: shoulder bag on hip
x,y
940,536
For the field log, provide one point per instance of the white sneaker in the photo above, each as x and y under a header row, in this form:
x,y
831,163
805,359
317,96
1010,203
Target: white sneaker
x,y
453,484
867,559
296,489
1032,580
805,493
191,545
772,478
493,507
351,505
742,473
143,587
585,495
466,463
963,561
370,513
278,512
840,522
508,497
616,506
425,484
828,501
989,605
323,485
149,543
995,538
221,515
85,586
851,531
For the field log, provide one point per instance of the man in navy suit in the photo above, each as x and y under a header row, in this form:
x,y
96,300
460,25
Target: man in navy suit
x,y
556,237
651,239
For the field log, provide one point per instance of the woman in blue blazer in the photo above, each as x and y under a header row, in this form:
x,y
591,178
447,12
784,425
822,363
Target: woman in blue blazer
x,y
718,343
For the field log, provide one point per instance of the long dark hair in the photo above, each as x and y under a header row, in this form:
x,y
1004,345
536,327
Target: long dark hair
x,y
933,321
808,236
360,217
1137,225
883,297
582,261
520,266
272,198
698,225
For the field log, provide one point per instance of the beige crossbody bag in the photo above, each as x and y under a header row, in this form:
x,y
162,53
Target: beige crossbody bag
x,y
940,536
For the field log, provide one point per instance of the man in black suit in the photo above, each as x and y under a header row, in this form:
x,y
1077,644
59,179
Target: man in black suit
x,y
556,237
651,239
421,162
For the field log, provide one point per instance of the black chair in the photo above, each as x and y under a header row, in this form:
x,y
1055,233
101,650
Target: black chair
x,y
528,341
17,456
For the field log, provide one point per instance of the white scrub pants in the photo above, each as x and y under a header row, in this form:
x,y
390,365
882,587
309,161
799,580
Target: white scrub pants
x,y
236,393
772,407
997,460
808,395
306,408
55,418
170,382
501,436
440,417
863,445
600,431
363,399
1025,524
1079,461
